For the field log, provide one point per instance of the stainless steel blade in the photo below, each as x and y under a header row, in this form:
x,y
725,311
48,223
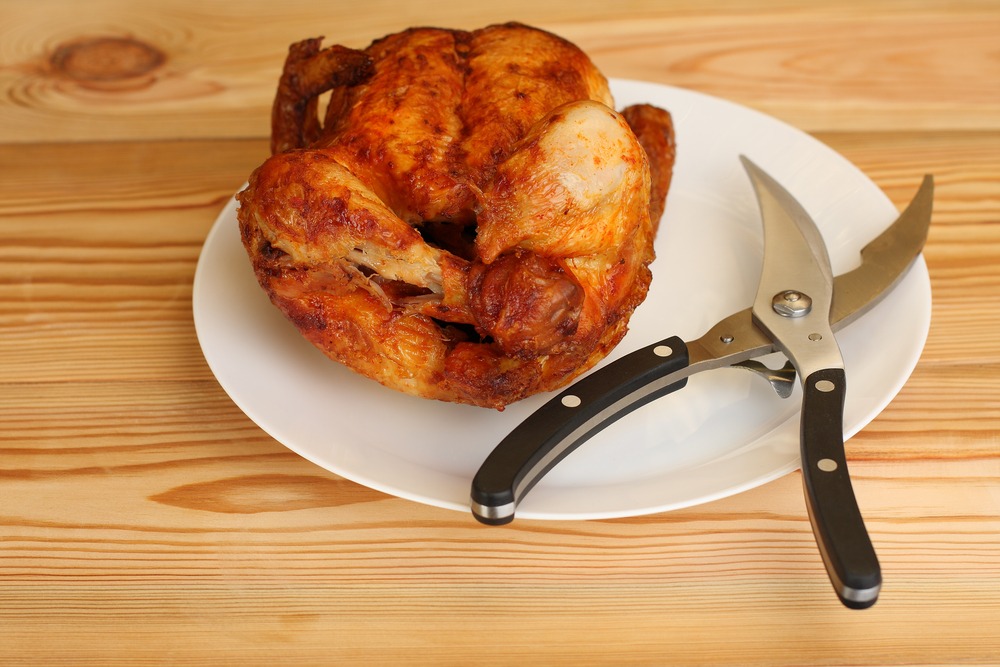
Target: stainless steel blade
x,y
795,293
884,262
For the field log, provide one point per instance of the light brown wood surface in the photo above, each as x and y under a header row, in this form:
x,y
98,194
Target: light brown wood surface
x,y
145,520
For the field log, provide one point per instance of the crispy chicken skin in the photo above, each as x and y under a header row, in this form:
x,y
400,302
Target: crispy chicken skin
x,y
471,221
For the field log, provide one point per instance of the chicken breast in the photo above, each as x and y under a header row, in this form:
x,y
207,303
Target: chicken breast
x,y
469,222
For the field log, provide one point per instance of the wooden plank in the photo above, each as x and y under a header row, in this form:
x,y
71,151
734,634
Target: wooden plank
x,y
195,70
337,578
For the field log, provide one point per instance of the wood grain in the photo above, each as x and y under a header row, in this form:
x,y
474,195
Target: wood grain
x,y
831,66
144,520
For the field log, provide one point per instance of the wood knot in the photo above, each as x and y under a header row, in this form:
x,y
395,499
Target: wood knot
x,y
107,62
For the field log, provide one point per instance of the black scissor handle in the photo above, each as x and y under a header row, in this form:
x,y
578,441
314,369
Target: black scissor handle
x,y
565,422
840,530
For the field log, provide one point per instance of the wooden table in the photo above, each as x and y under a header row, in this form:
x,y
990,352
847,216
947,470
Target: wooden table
x,y
145,520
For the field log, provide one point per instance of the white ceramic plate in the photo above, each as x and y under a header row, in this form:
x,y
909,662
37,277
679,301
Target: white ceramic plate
x,y
724,433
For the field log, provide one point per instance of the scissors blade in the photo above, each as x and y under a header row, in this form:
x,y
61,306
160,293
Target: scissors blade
x,y
795,292
884,261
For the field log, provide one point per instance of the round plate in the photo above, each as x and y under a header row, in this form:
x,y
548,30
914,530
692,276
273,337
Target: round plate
x,y
724,433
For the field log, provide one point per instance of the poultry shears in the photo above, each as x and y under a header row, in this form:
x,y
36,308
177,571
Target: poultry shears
x,y
798,307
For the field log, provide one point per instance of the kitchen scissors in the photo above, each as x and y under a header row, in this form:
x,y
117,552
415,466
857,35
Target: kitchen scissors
x,y
798,306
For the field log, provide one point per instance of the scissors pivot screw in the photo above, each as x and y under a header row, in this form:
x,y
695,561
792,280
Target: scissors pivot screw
x,y
791,303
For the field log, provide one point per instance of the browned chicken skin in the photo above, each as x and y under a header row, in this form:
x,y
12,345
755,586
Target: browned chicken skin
x,y
471,222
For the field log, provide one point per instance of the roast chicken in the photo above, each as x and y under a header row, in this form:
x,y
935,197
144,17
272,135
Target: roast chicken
x,y
469,219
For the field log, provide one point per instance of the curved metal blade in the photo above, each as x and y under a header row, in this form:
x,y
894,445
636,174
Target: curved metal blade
x,y
884,261
795,293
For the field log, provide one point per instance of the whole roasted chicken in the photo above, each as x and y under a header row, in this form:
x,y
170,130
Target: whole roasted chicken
x,y
468,220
